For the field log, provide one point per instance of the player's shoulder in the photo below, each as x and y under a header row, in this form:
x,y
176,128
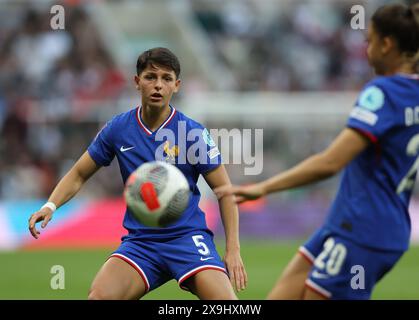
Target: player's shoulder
x,y
381,90
379,84
190,123
381,81
388,83
123,118
373,94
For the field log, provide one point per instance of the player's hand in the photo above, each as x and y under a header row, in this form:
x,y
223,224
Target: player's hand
x,y
236,270
242,193
45,215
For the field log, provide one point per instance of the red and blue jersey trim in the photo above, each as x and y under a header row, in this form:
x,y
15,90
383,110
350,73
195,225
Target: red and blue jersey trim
x,y
165,123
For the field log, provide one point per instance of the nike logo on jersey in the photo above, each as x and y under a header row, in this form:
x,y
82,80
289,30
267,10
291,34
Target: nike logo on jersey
x,y
205,259
125,149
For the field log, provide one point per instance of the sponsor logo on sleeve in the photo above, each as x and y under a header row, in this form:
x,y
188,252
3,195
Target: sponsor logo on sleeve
x,y
364,116
213,153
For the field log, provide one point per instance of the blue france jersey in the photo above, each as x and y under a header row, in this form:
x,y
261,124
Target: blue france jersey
x,y
371,206
179,140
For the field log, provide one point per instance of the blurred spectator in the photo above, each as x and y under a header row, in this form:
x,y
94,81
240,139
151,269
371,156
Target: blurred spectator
x,y
299,46
47,78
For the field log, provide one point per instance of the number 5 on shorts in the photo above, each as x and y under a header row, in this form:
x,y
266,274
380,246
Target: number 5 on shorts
x,y
198,242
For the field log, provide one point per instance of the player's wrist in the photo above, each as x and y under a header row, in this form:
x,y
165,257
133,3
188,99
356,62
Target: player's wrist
x,y
50,205
264,189
232,246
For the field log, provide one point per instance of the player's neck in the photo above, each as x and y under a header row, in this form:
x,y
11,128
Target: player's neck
x,y
400,67
154,117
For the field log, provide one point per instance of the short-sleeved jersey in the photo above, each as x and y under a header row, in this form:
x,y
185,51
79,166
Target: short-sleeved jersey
x,y
371,206
179,140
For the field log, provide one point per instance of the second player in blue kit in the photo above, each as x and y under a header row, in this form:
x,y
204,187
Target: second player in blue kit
x,y
367,229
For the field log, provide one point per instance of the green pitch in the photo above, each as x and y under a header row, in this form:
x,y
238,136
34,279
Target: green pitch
x,y
27,275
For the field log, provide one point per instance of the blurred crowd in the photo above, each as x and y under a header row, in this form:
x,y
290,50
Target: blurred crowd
x,y
51,81
299,45
48,81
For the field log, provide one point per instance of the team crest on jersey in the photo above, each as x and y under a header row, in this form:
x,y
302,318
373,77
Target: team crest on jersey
x,y
371,99
171,152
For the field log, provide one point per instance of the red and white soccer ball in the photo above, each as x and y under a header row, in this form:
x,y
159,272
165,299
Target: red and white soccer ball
x,y
157,193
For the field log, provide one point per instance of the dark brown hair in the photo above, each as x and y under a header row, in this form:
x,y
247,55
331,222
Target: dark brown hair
x,y
159,57
400,22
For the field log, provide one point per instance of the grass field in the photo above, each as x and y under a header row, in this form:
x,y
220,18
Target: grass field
x,y
26,274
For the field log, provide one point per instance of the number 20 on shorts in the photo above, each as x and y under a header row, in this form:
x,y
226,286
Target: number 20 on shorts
x,y
334,253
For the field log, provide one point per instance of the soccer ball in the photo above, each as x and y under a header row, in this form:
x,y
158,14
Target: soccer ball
x,y
157,194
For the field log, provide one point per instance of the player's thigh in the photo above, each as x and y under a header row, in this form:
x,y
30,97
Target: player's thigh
x,y
117,280
291,283
211,285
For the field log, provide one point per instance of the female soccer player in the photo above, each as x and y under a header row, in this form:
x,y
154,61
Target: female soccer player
x,y
368,226
185,251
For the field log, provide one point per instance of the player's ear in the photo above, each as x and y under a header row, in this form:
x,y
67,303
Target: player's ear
x,y
137,82
387,44
177,85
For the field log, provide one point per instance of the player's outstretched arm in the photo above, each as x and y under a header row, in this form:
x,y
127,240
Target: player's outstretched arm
x,y
68,186
347,145
230,217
